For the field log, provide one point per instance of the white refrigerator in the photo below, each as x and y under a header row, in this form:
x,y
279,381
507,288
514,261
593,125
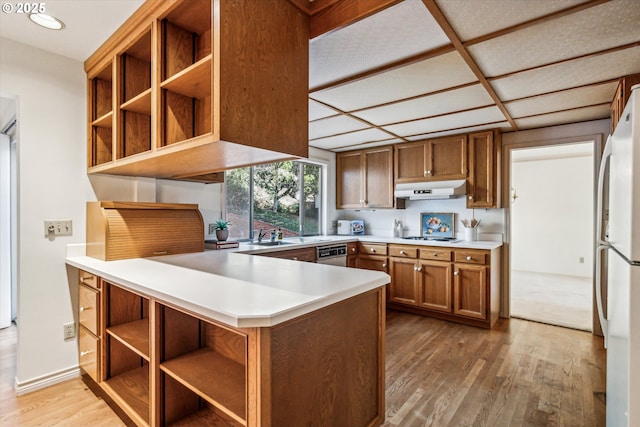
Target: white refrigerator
x,y
621,241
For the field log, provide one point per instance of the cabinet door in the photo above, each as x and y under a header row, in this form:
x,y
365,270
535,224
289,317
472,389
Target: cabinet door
x,y
481,185
470,291
349,180
378,178
410,162
435,286
403,287
447,158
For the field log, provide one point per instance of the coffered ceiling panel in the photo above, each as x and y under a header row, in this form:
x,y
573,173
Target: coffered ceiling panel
x,y
471,19
505,126
450,121
320,111
393,34
563,117
569,74
561,38
421,78
441,103
334,125
352,139
567,99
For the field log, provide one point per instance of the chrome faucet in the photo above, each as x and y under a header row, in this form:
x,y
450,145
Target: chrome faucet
x,y
261,234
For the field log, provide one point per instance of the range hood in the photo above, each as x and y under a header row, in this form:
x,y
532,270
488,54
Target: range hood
x,y
431,190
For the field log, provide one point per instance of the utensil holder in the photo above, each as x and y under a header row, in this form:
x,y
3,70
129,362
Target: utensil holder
x,y
470,234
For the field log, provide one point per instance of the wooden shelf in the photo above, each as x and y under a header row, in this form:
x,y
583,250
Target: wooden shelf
x,y
134,335
133,387
217,379
193,81
205,417
105,121
139,104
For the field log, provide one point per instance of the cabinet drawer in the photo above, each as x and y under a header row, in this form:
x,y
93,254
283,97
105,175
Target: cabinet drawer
x,y
88,308
89,279
437,254
402,251
352,248
471,257
88,356
372,248
302,254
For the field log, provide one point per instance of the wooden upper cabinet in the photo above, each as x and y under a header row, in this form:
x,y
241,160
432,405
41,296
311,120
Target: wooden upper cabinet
x,y
438,159
191,87
483,185
364,178
620,98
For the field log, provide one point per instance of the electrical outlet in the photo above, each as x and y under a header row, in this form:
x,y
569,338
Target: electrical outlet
x,y
58,227
69,330
212,229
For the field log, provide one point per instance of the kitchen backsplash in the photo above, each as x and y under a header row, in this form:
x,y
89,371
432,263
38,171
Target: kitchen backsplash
x,y
380,222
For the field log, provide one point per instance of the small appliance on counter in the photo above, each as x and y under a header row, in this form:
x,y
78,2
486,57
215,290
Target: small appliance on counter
x,y
350,228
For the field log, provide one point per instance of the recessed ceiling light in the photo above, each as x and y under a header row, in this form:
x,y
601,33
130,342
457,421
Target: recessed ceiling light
x,y
46,21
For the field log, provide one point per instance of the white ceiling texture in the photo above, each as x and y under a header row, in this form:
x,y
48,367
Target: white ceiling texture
x,y
426,68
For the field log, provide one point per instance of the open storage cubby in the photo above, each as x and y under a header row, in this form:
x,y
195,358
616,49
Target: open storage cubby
x,y
127,370
204,368
186,67
134,97
101,116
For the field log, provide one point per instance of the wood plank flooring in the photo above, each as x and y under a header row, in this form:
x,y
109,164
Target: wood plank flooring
x,y
438,374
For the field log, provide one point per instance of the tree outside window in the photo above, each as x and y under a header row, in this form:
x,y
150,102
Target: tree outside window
x,y
281,195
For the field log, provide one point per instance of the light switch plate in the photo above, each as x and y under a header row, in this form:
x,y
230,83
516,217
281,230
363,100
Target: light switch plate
x,y
58,227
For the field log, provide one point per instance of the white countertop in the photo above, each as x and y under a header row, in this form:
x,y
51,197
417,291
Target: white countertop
x,y
235,288
241,290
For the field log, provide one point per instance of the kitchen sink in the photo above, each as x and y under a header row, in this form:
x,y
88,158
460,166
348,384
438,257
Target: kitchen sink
x,y
272,243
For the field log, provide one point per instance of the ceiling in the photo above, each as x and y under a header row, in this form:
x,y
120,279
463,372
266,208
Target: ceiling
x,y
425,68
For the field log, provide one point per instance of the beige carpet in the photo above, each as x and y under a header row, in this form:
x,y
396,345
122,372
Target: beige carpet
x,y
554,299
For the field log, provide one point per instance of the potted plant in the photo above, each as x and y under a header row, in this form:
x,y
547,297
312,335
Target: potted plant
x,y
222,230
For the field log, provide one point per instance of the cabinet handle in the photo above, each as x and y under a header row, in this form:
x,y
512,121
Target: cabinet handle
x,y
295,258
455,273
84,353
428,172
373,250
82,309
384,265
470,197
469,258
417,268
353,250
403,253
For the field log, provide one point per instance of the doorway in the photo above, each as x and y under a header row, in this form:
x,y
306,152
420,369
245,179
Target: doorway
x,y
551,234
8,249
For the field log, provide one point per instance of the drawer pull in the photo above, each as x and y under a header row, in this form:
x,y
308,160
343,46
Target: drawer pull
x,y
295,258
160,252
84,353
384,265
455,273
373,250
403,253
353,250
469,258
83,309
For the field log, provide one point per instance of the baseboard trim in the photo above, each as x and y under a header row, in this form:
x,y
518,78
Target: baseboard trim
x,y
45,380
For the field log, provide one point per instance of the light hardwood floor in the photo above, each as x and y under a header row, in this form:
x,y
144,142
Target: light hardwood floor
x,y
438,374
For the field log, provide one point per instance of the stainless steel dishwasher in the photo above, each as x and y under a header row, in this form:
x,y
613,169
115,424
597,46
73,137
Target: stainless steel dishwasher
x,y
335,254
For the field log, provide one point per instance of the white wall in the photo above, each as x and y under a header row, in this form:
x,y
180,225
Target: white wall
x,y
5,231
50,91
552,218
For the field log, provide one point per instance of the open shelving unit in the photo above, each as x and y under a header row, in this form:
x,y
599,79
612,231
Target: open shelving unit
x,y
127,348
101,136
204,370
186,72
134,97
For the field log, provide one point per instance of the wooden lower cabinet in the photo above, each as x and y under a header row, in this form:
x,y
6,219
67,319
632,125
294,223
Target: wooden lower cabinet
x,y
89,321
460,285
164,366
301,254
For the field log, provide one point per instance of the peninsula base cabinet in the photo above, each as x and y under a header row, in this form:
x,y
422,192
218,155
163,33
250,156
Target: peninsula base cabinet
x,y
460,285
162,365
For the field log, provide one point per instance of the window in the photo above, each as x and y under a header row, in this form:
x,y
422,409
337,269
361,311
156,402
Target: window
x,y
281,195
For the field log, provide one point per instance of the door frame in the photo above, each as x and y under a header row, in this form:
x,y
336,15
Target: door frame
x,y
598,147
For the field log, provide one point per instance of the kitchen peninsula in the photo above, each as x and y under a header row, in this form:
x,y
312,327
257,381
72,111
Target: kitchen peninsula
x,y
234,339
